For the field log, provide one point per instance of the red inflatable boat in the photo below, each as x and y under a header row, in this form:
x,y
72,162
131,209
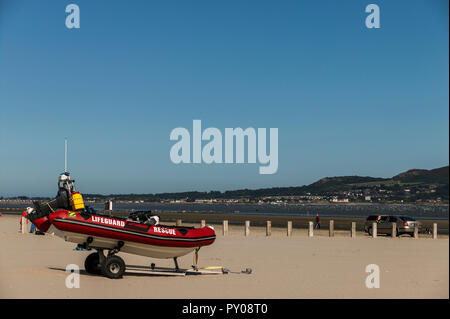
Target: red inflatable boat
x,y
158,241
140,233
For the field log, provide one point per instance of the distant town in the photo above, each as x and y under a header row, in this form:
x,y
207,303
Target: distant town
x,y
427,187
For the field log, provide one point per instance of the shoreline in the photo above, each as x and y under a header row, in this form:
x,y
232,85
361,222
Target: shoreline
x,y
335,210
259,220
442,204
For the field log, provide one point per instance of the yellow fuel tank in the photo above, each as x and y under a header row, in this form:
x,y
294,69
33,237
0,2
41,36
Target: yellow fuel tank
x,y
77,201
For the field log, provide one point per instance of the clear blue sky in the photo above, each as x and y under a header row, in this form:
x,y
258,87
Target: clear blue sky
x,y
347,100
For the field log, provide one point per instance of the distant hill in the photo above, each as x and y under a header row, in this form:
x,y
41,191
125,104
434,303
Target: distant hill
x,y
411,178
437,176
434,176
329,183
412,186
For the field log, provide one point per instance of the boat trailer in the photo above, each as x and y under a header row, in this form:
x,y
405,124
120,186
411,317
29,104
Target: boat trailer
x,y
112,266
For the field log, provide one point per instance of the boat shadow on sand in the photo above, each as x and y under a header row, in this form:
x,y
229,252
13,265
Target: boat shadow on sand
x,y
162,272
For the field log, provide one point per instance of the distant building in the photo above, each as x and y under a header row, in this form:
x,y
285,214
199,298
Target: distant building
x,y
337,200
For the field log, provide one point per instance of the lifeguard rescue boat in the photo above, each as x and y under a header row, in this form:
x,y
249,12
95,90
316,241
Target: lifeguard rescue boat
x,y
140,233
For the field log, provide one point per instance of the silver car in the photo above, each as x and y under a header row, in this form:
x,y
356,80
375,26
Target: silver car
x,y
370,220
404,225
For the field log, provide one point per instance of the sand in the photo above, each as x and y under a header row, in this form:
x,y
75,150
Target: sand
x,y
297,267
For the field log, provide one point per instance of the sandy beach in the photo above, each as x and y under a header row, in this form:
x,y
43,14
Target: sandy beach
x,y
283,267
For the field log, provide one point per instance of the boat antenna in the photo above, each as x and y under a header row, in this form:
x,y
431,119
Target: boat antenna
x,y
65,155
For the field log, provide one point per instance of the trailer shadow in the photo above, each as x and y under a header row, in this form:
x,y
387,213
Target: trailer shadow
x,y
128,274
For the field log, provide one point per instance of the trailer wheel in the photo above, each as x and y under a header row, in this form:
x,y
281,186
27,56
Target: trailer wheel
x,y
114,267
91,264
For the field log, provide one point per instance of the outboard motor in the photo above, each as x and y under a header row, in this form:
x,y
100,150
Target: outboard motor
x,y
143,217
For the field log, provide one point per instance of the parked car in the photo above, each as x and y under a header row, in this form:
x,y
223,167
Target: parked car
x,y
404,225
371,219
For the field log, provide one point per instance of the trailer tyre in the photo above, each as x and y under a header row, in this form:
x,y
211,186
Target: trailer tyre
x,y
91,264
114,267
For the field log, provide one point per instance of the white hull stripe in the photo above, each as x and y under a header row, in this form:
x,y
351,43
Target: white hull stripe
x,y
87,224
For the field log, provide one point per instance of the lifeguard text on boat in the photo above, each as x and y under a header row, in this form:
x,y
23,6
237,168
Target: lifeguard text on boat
x,y
212,152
